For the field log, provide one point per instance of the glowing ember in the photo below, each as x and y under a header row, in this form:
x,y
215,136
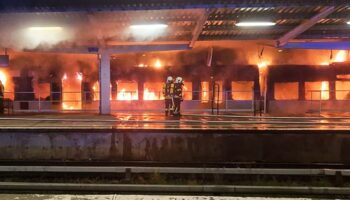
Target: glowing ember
x,y
341,56
158,64
71,92
324,63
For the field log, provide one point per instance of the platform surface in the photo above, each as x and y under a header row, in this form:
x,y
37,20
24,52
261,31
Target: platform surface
x,y
186,121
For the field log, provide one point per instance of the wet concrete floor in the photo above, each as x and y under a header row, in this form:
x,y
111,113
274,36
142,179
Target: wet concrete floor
x,y
186,121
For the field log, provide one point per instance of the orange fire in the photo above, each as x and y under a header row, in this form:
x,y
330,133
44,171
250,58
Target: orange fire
x,y
96,89
158,64
128,91
148,95
205,92
324,90
3,77
71,92
262,64
341,56
153,91
6,80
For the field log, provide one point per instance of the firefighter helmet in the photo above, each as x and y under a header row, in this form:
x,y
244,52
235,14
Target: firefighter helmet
x,y
178,80
169,79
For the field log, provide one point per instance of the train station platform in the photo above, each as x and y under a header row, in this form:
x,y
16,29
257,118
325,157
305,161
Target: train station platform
x,y
157,120
193,138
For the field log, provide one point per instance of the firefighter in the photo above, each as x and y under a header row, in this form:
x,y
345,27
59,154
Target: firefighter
x,y
168,89
2,91
178,87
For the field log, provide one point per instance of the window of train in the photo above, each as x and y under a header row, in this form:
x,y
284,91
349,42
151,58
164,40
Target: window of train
x,y
187,91
153,91
342,90
127,90
42,91
207,91
242,90
286,91
315,90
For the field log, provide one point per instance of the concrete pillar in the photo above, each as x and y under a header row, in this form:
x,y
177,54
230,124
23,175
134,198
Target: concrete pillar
x,y
105,81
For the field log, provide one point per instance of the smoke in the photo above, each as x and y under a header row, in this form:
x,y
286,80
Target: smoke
x,y
46,65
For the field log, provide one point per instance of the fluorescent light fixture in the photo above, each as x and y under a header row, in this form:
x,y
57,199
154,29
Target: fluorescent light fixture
x,y
148,26
255,24
45,28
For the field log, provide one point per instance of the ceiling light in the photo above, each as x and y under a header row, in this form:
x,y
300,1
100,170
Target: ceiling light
x,y
148,26
255,24
45,28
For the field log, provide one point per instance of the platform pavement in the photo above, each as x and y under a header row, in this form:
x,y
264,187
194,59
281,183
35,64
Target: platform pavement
x,y
159,121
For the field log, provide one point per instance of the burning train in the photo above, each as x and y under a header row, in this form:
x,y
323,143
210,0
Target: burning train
x,y
136,85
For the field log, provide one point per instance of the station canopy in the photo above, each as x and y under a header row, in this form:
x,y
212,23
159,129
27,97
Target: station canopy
x,y
26,23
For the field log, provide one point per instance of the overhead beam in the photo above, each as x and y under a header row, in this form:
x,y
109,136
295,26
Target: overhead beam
x,y
199,26
122,5
218,16
304,26
318,45
114,49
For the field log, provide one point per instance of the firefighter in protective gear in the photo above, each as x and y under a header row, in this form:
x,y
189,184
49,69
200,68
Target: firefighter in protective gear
x,y
178,87
168,89
2,92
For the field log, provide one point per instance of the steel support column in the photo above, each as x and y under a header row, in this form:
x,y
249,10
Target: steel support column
x,y
105,81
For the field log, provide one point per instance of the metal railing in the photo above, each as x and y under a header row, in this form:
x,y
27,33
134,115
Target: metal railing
x,y
328,100
89,101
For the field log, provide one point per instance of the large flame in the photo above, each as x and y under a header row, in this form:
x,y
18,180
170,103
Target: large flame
x,y
128,91
205,92
341,56
96,89
324,90
148,95
71,92
3,77
158,64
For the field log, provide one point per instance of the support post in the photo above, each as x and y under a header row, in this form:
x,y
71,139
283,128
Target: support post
x,y
301,90
105,81
332,92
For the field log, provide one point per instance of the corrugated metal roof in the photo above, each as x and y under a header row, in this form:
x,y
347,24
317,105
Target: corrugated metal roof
x,y
220,25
